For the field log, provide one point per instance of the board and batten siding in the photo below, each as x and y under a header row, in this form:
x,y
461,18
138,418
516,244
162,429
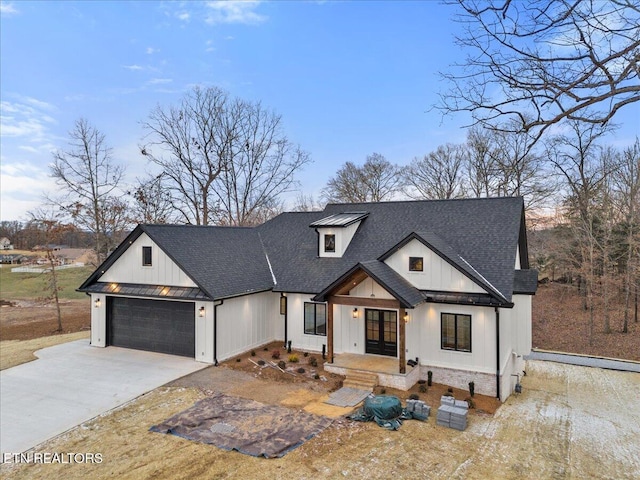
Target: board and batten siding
x,y
247,322
295,324
98,320
344,235
437,274
129,269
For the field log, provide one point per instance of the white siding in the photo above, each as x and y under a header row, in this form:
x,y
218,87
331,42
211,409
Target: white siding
x,y
343,238
437,274
163,271
204,332
295,322
98,321
367,287
248,322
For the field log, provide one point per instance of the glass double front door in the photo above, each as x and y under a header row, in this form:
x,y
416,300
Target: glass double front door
x,y
381,330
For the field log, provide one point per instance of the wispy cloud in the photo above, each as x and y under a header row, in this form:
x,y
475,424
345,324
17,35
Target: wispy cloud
x,y
160,81
151,50
26,117
183,16
234,12
8,9
133,67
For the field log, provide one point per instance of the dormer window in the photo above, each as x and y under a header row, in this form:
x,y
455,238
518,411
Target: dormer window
x,y
335,232
416,264
330,243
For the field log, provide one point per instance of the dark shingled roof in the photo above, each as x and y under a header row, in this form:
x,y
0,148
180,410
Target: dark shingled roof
x,y
479,237
485,232
525,282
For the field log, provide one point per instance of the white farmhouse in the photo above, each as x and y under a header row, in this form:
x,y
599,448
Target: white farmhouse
x,y
396,289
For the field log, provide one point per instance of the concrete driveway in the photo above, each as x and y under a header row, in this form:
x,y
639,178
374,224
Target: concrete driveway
x,y
74,382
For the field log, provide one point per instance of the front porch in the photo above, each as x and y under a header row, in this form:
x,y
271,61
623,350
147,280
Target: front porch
x,y
385,368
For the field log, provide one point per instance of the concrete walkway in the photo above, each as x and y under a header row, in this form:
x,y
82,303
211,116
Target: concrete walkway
x,y
585,361
73,382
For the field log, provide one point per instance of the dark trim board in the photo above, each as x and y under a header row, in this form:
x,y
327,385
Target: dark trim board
x,y
153,325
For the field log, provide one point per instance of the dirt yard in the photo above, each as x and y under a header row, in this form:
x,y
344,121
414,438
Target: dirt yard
x,y
561,324
569,422
29,319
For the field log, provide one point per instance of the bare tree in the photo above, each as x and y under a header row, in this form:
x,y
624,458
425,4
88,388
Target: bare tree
x,y
261,168
627,186
540,62
480,162
577,157
152,202
51,229
192,144
438,175
376,181
519,170
89,180
223,159
306,203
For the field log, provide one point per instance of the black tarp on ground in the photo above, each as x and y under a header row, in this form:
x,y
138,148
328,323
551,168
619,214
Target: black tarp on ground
x,y
247,426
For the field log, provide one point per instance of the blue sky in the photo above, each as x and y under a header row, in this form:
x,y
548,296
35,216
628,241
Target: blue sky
x,y
348,78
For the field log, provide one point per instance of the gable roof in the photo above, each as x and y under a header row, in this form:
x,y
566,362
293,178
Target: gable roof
x,y
394,283
479,237
223,261
484,232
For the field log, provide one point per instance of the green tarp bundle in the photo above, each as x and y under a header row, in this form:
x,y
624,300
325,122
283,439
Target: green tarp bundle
x,y
385,410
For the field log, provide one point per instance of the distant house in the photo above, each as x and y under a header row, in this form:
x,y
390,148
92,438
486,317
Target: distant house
x,y
5,244
410,287
13,259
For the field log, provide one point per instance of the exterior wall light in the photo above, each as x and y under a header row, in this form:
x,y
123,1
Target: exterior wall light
x,y
201,312
97,303
406,318
354,314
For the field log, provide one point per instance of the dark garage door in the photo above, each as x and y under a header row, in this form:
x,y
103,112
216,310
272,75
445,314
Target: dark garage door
x,y
154,325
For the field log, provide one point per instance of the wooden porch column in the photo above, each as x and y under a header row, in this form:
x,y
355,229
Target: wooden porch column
x,y
402,343
330,330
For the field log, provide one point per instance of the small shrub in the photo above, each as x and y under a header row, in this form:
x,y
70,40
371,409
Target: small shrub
x,y
421,382
383,390
261,362
253,353
450,390
275,354
316,376
470,402
293,358
414,396
282,365
306,354
422,388
265,349
238,360
313,361
301,370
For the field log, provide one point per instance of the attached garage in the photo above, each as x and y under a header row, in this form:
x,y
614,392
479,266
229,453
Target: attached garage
x,y
154,325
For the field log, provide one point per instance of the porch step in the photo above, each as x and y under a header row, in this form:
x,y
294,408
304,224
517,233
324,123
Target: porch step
x,y
361,380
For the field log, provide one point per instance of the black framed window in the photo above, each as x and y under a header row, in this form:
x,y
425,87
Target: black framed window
x,y
146,256
416,264
315,318
330,243
455,332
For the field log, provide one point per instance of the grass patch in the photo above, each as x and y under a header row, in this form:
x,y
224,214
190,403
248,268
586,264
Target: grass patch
x,y
31,286
17,352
